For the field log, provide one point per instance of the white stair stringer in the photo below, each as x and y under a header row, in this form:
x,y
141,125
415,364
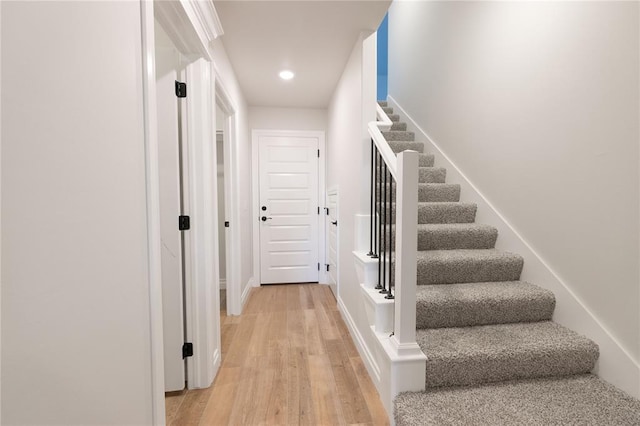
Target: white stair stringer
x,y
393,368
399,368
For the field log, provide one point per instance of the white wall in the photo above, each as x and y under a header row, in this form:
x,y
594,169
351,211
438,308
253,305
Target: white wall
x,y
287,118
537,104
348,151
242,153
75,307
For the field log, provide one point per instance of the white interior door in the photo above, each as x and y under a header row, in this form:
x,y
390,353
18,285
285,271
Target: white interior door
x,y
332,240
169,170
289,209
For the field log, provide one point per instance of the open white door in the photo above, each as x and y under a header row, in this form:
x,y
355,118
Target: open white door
x,y
331,245
289,209
169,170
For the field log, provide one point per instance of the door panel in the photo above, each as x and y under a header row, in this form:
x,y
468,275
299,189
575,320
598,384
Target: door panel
x,y
289,191
169,170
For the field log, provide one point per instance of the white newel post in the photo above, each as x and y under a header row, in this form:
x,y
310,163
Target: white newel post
x,y
406,250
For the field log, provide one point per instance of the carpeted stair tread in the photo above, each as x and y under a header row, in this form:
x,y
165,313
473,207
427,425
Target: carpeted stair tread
x,y
432,174
446,212
463,266
425,160
383,103
434,192
399,146
490,353
396,135
438,192
394,117
451,236
557,401
398,126
471,304
387,109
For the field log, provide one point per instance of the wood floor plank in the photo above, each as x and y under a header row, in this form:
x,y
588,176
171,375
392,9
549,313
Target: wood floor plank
x,y
312,333
326,404
172,402
345,334
296,329
370,393
239,345
223,394
192,407
287,360
278,362
299,398
306,299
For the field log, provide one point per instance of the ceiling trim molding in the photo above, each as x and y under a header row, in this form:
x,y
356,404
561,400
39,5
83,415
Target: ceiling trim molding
x,y
191,24
208,17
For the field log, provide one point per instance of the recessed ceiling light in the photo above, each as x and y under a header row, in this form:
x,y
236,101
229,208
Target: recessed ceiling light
x,y
286,75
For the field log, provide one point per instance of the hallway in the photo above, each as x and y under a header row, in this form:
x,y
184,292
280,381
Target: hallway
x,y
288,359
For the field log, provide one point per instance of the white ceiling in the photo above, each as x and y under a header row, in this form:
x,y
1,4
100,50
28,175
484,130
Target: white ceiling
x,y
311,38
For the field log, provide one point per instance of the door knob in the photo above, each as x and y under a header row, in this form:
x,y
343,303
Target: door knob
x,y
264,218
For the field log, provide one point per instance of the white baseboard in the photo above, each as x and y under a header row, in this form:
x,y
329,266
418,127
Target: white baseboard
x,y
363,349
616,365
246,291
217,360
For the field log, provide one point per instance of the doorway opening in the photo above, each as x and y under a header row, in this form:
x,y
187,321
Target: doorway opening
x,y
223,222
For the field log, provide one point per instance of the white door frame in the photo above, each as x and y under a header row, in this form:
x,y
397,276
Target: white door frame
x,y
231,199
152,180
255,189
192,25
334,191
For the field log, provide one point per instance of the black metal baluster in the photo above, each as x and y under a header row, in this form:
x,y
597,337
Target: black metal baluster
x,y
371,211
378,216
384,233
392,255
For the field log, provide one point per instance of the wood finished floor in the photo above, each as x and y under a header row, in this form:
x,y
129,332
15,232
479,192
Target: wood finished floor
x,y
287,360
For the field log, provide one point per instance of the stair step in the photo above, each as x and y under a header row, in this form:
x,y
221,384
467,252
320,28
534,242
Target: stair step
x,y
399,146
490,353
446,212
425,160
387,110
399,126
397,135
471,304
383,103
465,266
432,174
576,400
438,192
393,117
452,236
429,192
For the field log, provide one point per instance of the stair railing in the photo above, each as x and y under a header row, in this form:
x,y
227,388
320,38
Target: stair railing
x,y
394,226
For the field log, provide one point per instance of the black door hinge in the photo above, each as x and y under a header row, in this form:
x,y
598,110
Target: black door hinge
x,y
327,267
326,209
318,209
184,223
226,224
318,266
187,350
318,153
181,89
